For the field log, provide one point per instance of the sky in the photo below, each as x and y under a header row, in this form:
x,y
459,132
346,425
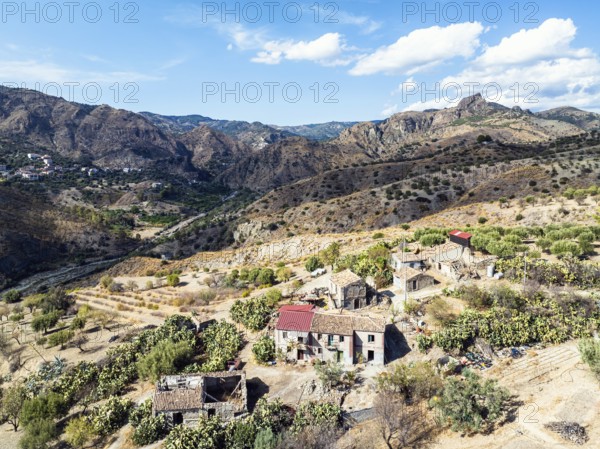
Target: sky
x,y
291,63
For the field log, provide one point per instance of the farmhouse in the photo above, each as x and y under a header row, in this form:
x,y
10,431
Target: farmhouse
x,y
348,290
305,335
411,279
183,399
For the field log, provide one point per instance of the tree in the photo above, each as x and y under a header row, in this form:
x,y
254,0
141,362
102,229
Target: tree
x,y
330,254
131,286
61,338
33,302
44,322
266,276
173,280
79,432
165,358
11,405
401,425
313,263
471,405
12,296
56,299
264,349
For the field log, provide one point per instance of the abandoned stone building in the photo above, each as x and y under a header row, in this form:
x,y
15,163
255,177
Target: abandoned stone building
x,y
348,291
411,279
184,398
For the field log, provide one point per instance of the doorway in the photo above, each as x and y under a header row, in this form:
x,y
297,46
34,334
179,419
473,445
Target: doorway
x,y
370,356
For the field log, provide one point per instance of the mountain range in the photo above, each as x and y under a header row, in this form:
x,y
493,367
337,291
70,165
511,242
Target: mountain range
x,y
364,175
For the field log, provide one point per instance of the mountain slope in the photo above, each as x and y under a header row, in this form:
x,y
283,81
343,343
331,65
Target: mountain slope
x,y
582,119
110,138
254,135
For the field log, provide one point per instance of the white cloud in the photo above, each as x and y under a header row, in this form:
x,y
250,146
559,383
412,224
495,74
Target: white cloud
x,y
552,39
326,50
366,24
421,49
534,69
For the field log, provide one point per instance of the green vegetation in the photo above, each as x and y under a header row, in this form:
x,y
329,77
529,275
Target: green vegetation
x,y
590,354
253,313
313,263
264,349
470,404
514,319
167,357
375,262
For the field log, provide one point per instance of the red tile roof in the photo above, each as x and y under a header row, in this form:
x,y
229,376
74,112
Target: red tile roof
x,y
461,234
297,308
295,318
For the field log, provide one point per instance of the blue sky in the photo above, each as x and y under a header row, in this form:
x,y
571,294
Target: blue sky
x,y
292,62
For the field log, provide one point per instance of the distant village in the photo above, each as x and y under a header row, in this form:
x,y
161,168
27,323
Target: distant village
x,y
43,166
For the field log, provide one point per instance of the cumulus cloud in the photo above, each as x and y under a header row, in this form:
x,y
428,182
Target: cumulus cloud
x,y
535,69
421,49
326,50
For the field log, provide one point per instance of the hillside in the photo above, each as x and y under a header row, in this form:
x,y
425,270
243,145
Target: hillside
x,y
107,137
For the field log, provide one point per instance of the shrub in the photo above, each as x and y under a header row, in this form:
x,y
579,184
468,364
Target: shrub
x,y
424,342
470,404
38,434
173,280
149,430
415,382
590,354
167,357
208,434
330,373
264,349
79,432
106,282
313,263
563,248
253,313
12,296
111,416
312,413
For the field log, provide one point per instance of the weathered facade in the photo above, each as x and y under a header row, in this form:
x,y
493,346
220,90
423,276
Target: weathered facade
x,y
305,335
411,279
292,331
348,291
183,399
401,259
